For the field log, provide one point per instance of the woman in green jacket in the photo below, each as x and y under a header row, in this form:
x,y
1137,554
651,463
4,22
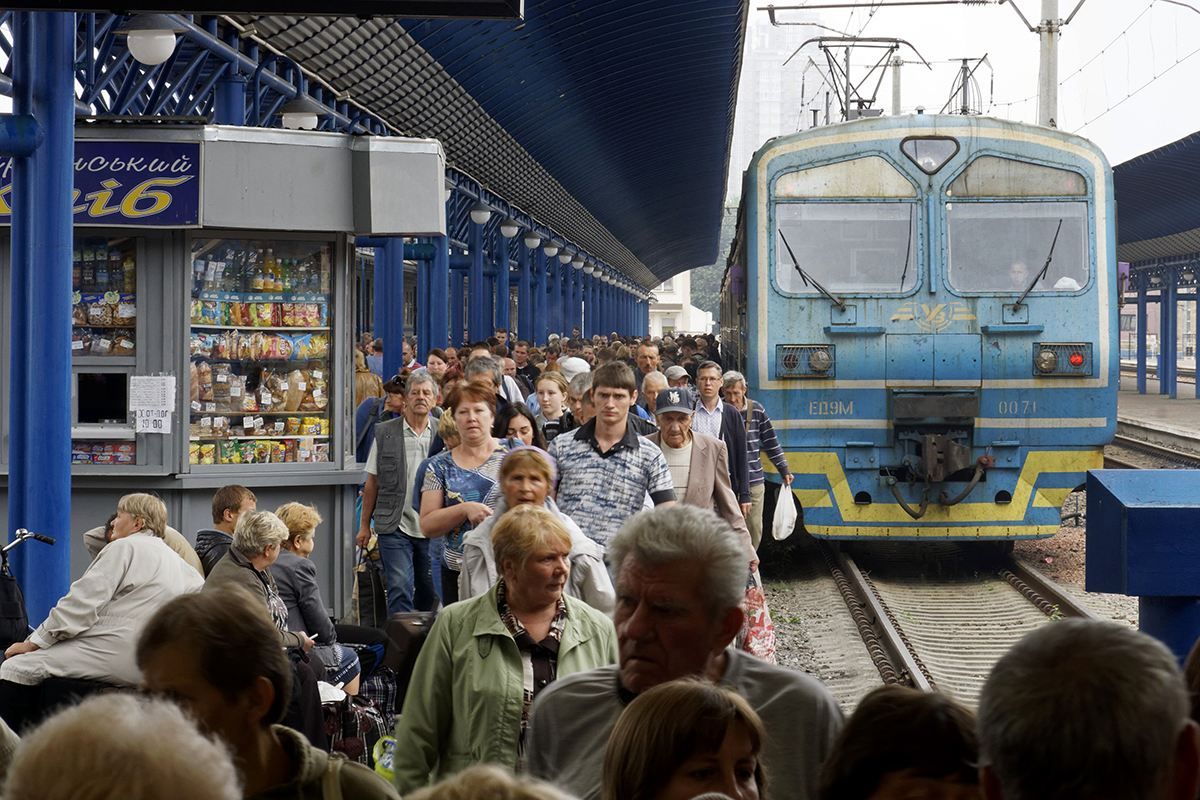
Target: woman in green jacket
x,y
487,658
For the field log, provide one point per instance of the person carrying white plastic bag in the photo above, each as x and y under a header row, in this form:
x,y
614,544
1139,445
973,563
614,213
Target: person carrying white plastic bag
x,y
784,520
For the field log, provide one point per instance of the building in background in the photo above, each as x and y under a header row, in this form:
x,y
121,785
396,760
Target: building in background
x,y
671,309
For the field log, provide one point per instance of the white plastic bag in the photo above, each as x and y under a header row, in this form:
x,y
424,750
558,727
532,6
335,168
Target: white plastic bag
x,y
784,521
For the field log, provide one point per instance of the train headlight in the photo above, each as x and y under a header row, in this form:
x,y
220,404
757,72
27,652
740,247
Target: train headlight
x,y
820,360
1047,360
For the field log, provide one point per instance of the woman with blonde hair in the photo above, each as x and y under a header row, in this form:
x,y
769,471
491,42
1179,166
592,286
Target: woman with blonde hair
x,y
682,739
366,383
526,475
487,658
296,580
90,633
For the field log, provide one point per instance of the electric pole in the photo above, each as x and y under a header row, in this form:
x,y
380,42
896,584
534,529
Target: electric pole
x,y
1048,32
897,62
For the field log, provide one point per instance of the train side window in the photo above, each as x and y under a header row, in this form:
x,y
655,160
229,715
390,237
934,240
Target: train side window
x,y
992,176
1001,246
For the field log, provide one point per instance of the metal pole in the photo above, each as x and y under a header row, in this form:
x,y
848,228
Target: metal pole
x,y
424,306
1172,332
478,312
1164,333
846,110
457,292
39,454
439,289
965,72
1141,338
524,296
554,312
502,285
1048,32
389,303
897,62
540,322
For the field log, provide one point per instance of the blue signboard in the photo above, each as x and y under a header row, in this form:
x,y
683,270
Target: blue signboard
x,y
124,184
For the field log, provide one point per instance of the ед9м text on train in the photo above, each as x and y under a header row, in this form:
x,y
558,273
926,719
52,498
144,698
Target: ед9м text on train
x,y
926,307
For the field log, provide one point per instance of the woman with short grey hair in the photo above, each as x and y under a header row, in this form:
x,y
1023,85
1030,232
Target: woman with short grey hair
x,y
257,540
760,438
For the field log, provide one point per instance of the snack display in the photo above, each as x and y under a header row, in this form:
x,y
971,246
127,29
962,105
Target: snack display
x,y
86,452
104,305
261,352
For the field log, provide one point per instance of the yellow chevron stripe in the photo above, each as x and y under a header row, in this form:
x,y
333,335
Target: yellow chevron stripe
x,y
882,512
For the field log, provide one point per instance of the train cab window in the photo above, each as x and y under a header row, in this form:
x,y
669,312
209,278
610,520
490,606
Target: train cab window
x,y
1001,246
849,248
992,176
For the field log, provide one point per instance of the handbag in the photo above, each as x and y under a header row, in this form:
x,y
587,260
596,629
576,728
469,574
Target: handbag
x,y
370,598
757,635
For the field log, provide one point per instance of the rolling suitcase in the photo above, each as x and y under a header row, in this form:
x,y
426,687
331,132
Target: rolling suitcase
x,y
406,633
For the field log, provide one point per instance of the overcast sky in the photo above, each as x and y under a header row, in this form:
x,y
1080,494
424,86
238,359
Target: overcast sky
x,y
1109,57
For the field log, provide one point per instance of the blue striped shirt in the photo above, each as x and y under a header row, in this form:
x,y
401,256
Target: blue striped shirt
x,y
761,438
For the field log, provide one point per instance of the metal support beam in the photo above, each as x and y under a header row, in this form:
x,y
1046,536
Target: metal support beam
x,y
1172,314
457,297
541,321
39,451
424,306
524,296
554,311
479,310
1141,339
439,291
502,285
389,302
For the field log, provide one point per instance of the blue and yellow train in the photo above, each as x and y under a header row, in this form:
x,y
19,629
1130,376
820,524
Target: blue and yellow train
x,y
926,307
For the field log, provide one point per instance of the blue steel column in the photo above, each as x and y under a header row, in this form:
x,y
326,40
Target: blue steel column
x,y
554,312
424,305
39,452
1163,333
572,297
540,322
1172,329
457,292
524,296
439,290
502,288
1141,337
389,302
479,312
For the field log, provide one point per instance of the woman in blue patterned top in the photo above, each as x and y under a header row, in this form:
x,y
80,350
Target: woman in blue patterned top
x,y
461,485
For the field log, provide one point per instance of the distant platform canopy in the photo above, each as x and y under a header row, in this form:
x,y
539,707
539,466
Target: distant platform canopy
x,y
1158,205
608,120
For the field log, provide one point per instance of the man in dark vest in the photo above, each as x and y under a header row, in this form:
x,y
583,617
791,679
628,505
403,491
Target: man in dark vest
x,y
399,447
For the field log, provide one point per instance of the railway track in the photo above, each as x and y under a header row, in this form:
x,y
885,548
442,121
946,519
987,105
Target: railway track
x,y
943,632
1128,452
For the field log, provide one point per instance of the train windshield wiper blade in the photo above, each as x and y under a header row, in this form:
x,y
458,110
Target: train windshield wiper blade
x,y
1045,268
809,279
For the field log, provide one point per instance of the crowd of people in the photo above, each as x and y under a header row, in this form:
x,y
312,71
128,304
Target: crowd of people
x,y
585,520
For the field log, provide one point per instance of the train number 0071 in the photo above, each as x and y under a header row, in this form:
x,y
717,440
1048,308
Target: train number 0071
x,y
1017,408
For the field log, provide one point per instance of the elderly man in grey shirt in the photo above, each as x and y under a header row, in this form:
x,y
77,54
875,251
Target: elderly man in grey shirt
x,y
681,576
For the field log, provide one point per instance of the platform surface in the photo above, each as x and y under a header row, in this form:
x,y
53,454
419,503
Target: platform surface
x,y
1177,419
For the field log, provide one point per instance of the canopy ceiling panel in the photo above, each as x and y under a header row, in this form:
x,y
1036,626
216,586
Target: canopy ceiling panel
x,y
608,120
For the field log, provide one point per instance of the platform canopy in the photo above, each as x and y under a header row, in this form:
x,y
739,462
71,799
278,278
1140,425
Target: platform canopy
x,y
1158,206
608,120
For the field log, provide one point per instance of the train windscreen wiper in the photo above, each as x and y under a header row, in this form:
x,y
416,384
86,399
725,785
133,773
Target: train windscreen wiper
x,y
808,279
907,255
1044,270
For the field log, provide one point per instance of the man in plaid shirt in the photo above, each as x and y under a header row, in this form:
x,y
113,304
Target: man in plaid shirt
x,y
605,470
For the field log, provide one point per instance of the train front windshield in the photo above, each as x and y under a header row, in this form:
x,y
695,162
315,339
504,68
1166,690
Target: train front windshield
x,y
847,247
1001,247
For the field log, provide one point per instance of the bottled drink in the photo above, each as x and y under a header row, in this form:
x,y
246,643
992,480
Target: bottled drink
x,y
116,271
197,275
89,268
101,269
258,281
76,269
129,267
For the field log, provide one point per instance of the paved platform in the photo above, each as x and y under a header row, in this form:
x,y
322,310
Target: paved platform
x,y
1155,417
